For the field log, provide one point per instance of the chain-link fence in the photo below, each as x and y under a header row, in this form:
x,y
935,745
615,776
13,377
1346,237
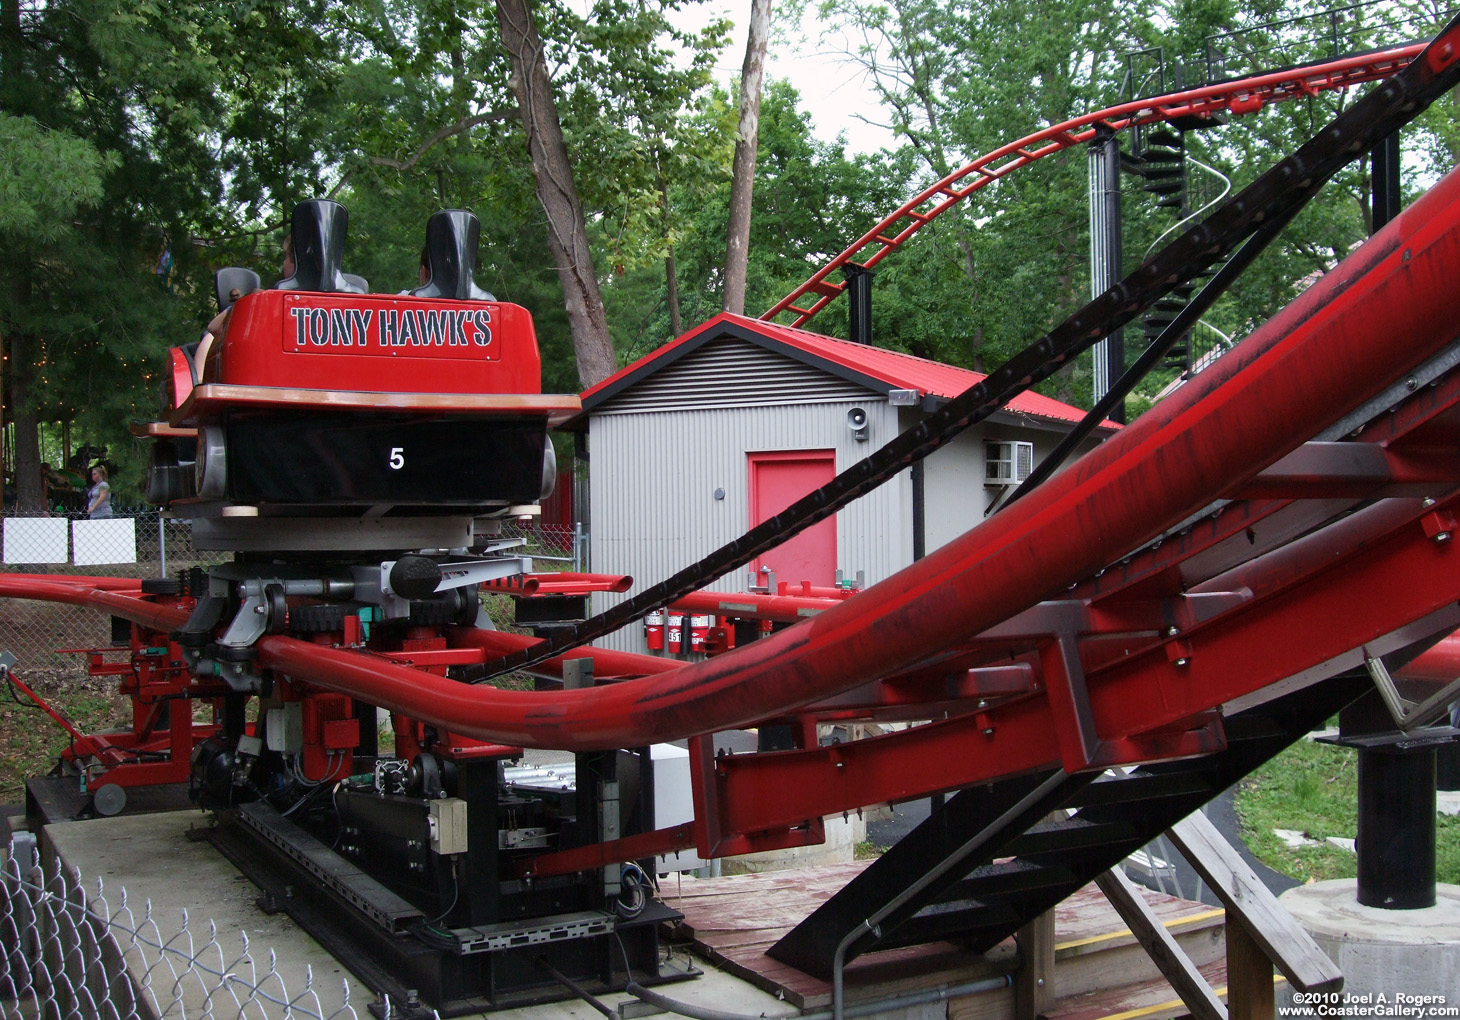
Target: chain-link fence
x,y
147,544
140,544
67,953
551,543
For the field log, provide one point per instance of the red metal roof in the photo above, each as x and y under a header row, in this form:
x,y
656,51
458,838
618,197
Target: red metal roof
x,y
892,368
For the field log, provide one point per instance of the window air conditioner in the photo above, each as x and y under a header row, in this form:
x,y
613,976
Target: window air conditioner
x,y
1007,463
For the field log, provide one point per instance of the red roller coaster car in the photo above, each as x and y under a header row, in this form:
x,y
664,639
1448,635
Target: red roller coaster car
x,y
398,417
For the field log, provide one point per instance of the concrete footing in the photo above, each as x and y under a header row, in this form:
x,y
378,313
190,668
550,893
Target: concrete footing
x,y
1409,957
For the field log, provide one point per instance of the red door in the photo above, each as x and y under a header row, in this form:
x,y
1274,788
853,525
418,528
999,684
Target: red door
x,y
777,480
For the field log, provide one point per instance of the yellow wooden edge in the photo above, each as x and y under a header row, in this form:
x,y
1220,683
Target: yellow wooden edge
x,y
1131,1014
1174,922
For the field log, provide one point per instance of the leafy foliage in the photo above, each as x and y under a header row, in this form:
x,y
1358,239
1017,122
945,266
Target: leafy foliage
x,y
1312,788
190,129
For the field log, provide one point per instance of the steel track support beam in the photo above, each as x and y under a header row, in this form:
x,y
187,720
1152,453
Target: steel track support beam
x,y
1106,255
1265,642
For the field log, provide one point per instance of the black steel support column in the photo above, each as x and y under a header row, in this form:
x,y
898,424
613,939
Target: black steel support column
x,y
234,723
369,722
1396,838
919,512
1106,254
480,896
1384,181
859,302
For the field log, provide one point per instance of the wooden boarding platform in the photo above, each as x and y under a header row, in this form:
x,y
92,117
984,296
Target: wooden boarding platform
x,y
1100,968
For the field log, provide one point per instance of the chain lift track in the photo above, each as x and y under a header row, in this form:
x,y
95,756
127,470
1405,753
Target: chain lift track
x,y
1275,196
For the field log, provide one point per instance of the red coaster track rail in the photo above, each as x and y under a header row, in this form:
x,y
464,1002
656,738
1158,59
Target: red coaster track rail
x,y
1287,515
1130,621
1246,95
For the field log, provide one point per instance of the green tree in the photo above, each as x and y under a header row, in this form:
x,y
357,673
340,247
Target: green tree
x,y
811,199
439,124
127,167
1218,39
54,176
957,80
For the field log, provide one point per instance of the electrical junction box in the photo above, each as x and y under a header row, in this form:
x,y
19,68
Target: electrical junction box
x,y
447,826
286,728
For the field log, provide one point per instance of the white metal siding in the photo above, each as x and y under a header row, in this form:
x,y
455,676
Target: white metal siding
x,y
731,373
955,496
653,478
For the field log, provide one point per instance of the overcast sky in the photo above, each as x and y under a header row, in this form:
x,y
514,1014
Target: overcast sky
x,y
813,59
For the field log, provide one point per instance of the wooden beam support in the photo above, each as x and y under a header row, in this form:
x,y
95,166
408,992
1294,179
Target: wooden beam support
x,y
1161,946
1281,939
1034,982
1249,975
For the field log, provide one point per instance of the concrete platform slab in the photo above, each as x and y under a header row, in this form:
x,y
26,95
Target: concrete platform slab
x,y
190,889
1391,953
193,890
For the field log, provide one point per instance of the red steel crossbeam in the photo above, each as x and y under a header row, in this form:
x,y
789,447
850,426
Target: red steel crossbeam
x,y
607,664
44,706
654,843
755,606
99,583
1246,95
1290,379
1249,649
1439,664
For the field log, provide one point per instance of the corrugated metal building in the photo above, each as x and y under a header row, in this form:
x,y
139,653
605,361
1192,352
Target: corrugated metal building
x,y
703,438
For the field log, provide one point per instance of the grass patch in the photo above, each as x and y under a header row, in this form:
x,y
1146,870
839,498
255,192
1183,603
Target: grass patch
x,y
30,740
1313,788
867,850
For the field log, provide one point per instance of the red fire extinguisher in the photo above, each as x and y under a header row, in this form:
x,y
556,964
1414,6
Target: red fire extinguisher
x,y
699,630
654,630
676,633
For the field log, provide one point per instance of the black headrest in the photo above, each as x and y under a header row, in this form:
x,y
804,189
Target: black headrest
x,y
232,278
451,257
318,234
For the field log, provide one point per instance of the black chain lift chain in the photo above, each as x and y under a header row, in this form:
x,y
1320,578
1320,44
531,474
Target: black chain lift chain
x,y
1277,195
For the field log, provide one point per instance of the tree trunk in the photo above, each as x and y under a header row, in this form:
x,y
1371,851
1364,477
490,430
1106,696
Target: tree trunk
x,y
28,496
671,270
567,236
10,55
747,135
671,281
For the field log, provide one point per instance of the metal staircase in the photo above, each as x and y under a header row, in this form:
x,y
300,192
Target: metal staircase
x,y
993,859
1159,158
